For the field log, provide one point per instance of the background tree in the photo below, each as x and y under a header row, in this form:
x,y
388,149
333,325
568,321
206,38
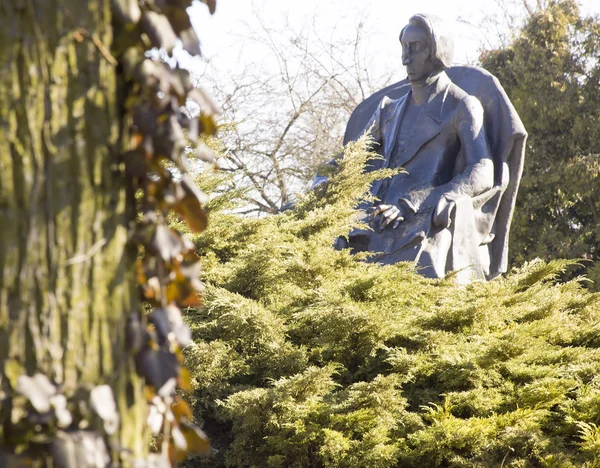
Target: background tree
x,y
551,71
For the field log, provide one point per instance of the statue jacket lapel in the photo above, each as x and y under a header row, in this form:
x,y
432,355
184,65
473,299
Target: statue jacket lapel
x,y
427,126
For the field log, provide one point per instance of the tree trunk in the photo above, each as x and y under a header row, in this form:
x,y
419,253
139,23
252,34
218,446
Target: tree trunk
x,y
67,280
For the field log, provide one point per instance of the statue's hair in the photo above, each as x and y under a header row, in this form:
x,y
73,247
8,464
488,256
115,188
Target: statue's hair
x,y
442,43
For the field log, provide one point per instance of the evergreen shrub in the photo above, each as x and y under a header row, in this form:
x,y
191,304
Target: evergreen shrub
x,y
305,356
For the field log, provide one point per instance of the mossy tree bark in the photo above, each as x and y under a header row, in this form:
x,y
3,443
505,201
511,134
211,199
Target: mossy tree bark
x,y
67,281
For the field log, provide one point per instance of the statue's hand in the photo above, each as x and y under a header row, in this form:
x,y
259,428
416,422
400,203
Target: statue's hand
x,y
389,214
442,215
320,187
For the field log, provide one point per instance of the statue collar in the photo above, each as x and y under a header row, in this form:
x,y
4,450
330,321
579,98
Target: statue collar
x,y
437,95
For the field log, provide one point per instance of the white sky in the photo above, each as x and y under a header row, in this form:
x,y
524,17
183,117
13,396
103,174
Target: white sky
x,y
223,35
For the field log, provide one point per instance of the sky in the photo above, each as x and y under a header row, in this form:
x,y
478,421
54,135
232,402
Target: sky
x,y
224,35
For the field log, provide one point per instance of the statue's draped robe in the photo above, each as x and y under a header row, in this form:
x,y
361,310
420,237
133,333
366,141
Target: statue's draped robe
x,y
462,209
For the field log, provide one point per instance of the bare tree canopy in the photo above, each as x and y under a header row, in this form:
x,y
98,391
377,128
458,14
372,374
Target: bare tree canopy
x,y
286,115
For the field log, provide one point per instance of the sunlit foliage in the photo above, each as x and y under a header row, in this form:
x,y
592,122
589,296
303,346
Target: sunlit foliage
x,y
304,356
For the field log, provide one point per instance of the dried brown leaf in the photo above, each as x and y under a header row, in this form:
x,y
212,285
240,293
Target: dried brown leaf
x,y
181,410
185,380
169,140
136,164
196,439
183,292
179,19
208,124
190,205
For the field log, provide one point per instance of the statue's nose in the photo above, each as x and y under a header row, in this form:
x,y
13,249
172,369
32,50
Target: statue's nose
x,y
406,57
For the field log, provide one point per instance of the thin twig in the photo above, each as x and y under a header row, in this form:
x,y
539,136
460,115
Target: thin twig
x,y
90,253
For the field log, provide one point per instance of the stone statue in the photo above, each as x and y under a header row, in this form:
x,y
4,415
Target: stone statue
x,y
461,144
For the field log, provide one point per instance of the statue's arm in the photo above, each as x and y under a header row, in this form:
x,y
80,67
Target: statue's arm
x,y
478,174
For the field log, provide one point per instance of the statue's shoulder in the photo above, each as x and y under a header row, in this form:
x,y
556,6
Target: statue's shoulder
x,y
462,101
459,102
476,87
471,77
389,104
365,110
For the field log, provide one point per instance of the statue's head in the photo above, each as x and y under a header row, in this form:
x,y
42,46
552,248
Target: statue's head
x,y
427,47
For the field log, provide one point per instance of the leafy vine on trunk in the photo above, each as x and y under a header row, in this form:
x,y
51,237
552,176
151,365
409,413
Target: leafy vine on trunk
x,y
156,160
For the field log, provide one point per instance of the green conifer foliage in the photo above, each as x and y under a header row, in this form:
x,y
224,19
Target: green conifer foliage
x,y
305,356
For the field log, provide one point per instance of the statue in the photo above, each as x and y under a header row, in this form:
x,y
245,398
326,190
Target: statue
x,y
461,144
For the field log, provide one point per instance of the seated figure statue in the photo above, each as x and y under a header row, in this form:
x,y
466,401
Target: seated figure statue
x,y
460,144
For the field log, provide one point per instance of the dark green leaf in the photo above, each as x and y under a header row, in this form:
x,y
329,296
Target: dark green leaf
x,y
159,30
207,105
204,153
38,390
136,164
166,243
212,5
157,366
102,401
77,449
127,11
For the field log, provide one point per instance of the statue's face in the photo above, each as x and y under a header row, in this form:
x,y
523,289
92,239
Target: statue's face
x,y
416,53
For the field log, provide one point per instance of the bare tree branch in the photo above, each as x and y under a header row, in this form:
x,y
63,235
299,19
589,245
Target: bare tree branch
x,y
287,114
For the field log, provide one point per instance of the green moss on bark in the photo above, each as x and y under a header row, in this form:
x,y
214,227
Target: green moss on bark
x,y
66,276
